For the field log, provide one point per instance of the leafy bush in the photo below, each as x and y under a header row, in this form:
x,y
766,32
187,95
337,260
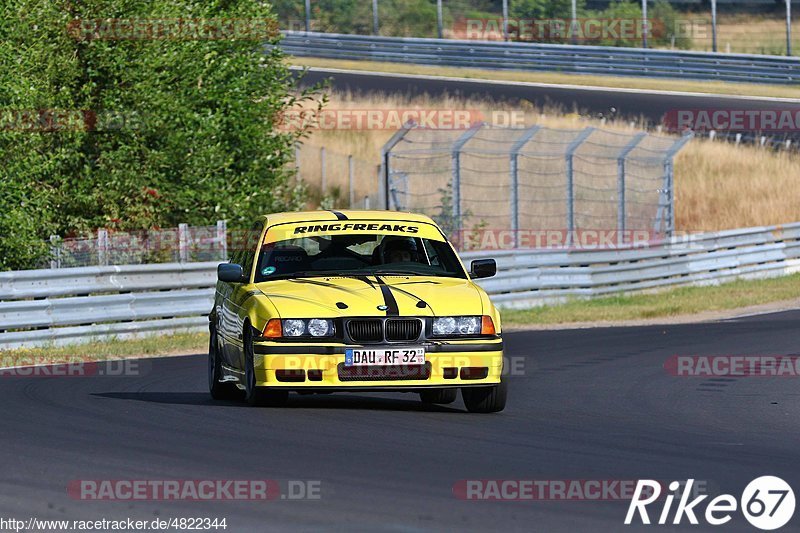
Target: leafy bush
x,y
173,131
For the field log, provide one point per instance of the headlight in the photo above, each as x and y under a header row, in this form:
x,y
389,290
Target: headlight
x,y
457,325
319,327
316,327
294,327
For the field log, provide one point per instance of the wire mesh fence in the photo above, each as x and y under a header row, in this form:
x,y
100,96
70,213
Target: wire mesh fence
x,y
170,245
535,183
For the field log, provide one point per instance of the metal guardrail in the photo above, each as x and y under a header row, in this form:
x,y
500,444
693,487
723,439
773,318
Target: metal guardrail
x,y
73,305
546,57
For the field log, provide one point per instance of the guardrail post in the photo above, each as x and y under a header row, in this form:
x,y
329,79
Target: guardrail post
x,y
515,149
102,247
308,15
375,26
222,239
621,208
571,148
183,243
456,177
386,153
55,251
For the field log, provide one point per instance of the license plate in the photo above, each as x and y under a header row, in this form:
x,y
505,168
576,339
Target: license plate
x,y
407,355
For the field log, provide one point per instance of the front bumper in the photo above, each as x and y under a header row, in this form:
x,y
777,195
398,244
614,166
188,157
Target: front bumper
x,y
448,364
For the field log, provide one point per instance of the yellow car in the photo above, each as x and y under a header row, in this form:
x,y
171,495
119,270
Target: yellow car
x,y
329,301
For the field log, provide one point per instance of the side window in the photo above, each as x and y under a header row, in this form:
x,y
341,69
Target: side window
x,y
249,251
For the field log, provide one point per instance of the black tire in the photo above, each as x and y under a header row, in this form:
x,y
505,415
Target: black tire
x,y
438,396
258,396
491,399
219,390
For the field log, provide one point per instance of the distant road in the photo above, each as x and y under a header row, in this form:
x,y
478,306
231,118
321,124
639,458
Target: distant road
x,y
597,101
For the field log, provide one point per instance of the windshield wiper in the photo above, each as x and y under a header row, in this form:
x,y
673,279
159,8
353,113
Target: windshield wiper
x,y
396,273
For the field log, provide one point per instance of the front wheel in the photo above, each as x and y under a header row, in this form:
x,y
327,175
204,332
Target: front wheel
x,y
438,396
491,399
258,396
219,390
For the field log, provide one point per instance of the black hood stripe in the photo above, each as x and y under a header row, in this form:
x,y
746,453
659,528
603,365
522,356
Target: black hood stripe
x,y
388,298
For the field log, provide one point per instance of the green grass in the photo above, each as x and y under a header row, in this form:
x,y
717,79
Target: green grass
x,y
668,303
106,350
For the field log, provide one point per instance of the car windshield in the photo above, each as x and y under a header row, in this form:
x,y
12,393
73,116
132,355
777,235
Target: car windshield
x,y
357,255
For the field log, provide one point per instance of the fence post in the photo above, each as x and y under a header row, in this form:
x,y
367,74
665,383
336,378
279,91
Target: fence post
x,y
456,179
183,243
439,23
505,20
375,26
308,15
323,187
366,202
102,247
666,213
713,25
222,239
621,208
573,146
55,252
386,152
350,180
515,149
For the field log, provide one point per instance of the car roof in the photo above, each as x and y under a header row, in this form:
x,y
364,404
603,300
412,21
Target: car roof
x,y
343,214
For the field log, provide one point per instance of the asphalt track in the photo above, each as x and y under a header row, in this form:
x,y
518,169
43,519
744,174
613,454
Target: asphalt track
x,y
589,404
596,101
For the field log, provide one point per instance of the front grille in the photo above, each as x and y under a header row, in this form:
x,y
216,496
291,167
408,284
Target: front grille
x,y
403,330
365,330
384,372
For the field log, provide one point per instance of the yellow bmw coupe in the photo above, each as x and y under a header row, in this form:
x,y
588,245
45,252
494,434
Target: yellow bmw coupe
x,y
329,301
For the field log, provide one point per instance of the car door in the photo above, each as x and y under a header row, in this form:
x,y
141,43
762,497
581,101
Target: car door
x,y
233,311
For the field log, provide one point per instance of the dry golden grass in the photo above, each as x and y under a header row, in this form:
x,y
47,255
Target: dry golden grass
x,y
721,186
748,34
718,185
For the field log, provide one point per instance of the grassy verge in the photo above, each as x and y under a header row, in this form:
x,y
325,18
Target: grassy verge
x,y
712,87
670,303
178,343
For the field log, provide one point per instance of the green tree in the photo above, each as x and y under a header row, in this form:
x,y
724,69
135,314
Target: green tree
x,y
175,130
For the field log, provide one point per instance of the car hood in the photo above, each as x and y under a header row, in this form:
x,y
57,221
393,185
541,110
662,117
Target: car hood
x,y
325,297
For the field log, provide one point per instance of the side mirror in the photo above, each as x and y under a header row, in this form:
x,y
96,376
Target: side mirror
x,y
231,273
483,268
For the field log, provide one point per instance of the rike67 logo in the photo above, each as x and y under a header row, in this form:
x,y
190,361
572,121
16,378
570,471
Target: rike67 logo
x,y
767,503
